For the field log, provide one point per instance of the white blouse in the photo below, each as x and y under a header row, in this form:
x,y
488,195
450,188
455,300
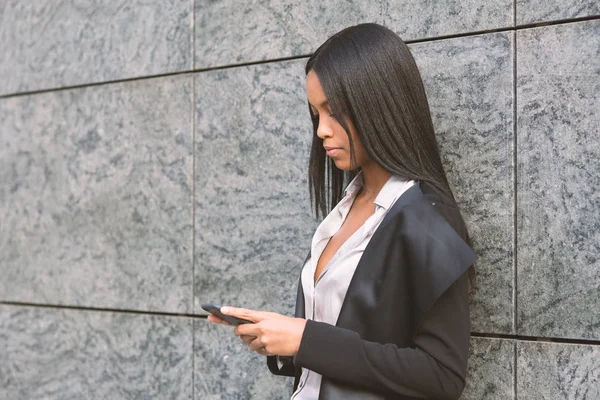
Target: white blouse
x,y
323,299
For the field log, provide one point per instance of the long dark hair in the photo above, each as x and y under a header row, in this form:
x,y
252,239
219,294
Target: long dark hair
x,y
370,77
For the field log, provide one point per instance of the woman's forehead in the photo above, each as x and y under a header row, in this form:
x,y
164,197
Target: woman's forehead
x,y
314,91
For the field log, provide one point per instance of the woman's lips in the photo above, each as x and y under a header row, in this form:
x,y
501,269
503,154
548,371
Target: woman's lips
x,y
332,151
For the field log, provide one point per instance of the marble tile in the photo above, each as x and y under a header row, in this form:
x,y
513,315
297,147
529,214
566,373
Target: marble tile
x,y
48,44
253,219
95,191
229,32
469,84
558,180
73,354
224,368
491,370
557,371
532,11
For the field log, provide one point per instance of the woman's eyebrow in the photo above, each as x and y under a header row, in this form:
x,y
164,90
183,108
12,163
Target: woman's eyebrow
x,y
323,104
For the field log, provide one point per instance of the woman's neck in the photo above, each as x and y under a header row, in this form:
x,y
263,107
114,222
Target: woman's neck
x,y
373,179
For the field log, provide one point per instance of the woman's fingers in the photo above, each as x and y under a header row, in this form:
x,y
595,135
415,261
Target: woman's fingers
x,y
247,329
263,351
217,320
243,313
256,345
247,338
265,326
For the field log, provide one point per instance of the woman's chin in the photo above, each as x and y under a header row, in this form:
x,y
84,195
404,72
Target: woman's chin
x,y
342,164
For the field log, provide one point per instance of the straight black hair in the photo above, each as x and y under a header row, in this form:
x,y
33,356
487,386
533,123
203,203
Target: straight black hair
x,y
370,78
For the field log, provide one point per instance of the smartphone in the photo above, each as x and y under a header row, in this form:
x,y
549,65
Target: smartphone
x,y
216,310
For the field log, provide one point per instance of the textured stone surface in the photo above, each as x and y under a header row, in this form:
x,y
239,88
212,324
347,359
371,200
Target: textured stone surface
x,y
95,196
469,84
253,220
530,11
72,354
556,371
491,370
559,180
228,31
225,369
48,44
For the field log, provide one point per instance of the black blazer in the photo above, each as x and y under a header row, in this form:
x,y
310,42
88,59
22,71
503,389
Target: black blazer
x,y
403,329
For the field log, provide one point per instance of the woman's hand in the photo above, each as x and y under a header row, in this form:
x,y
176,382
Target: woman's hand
x,y
270,334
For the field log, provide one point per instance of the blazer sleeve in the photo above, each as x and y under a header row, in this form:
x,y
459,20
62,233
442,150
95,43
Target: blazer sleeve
x,y
435,367
279,365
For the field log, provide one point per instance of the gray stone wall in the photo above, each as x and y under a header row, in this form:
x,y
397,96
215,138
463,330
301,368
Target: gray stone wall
x,y
153,156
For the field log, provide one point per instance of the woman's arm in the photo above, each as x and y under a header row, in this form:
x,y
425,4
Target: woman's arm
x,y
434,368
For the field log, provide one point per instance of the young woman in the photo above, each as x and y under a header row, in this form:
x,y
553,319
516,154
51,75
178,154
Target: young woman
x,y
382,310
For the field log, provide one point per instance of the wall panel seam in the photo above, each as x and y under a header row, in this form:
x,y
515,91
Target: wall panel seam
x,y
289,58
515,189
515,361
193,123
193,133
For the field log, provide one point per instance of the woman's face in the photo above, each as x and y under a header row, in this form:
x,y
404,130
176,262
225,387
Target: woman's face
x,y
335,139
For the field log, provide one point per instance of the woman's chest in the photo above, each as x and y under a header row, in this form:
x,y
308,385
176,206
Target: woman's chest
x,y
349,234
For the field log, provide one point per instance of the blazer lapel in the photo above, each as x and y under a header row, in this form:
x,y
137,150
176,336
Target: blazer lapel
x,y
361,284
300,311
347,317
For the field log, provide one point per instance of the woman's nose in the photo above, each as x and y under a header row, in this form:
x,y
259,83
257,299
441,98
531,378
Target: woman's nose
x,y
324,131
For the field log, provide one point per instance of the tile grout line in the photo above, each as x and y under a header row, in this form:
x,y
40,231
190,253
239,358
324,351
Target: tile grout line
x,y
513,28
515,207
536,339
193,34
196,317
155,76
515,360
514,261
11,303
193,126
290,58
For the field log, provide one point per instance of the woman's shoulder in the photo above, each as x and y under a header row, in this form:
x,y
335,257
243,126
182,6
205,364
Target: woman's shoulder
x,y
423,211
427,233
450,212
